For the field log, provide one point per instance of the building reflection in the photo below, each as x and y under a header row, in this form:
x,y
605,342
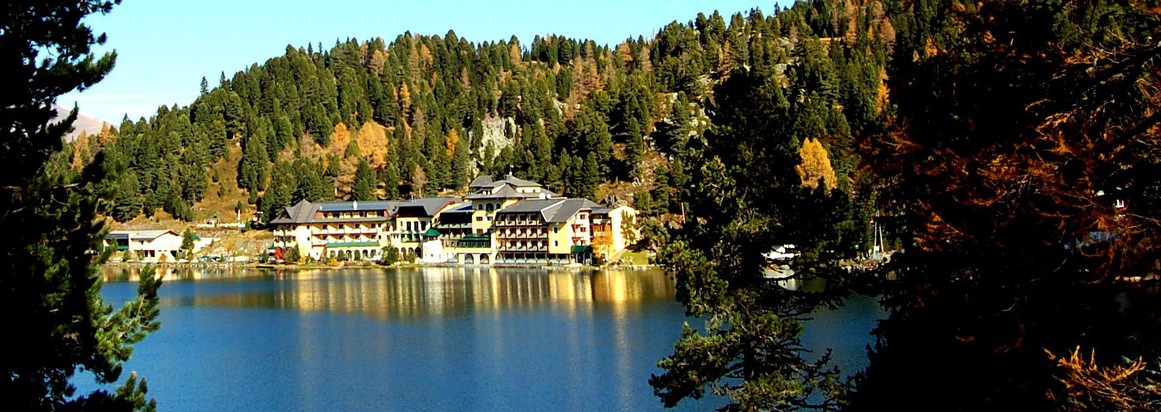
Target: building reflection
x,y
415,293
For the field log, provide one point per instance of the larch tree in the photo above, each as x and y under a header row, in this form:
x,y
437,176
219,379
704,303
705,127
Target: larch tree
x,y
815,169
1021,160
51,217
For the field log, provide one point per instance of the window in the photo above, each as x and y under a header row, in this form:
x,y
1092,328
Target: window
x,y
556,243
582,229
479,218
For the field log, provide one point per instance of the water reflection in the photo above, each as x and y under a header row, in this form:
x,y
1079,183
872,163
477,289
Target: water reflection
x,y
413,293
404,339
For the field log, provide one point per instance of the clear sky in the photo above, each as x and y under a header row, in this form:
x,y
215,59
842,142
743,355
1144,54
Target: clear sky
x,y
165,47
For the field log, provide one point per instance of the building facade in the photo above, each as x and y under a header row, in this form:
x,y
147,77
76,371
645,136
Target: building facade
x,y
155,246
499,221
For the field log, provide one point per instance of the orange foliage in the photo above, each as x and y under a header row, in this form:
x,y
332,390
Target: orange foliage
x,y
372,141
453,138
1088,386
405,99
340,138
815,166
514,55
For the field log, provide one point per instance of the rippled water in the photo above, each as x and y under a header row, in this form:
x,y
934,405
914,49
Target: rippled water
x,y
423,339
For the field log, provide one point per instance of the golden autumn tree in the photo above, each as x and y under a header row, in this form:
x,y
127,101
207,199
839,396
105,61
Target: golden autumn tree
x,y
815,168
453,139
372,141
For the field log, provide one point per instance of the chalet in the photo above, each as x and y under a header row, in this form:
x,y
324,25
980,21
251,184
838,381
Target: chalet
x,y
156,246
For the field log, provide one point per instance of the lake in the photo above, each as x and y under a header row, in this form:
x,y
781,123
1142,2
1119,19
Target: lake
x,y
426,339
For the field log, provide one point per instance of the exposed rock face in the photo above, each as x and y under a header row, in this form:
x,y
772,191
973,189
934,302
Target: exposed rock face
x,y
499,131
83,123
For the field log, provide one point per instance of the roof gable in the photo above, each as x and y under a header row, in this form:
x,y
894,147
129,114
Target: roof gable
x,y
139,234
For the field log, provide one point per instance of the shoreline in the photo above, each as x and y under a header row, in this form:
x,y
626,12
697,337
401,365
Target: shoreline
x,y
317,266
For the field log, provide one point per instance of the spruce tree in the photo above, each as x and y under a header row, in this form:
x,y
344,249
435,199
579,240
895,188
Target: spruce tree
x,y
461,161
128,203
49,288
280,194
364,182
252,170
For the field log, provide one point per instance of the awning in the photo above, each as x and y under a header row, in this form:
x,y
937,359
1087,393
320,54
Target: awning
x,y
431,232
582,249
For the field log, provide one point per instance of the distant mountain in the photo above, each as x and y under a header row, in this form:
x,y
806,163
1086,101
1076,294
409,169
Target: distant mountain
x,y
91,126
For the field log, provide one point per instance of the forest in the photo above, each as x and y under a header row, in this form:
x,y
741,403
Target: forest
x,y
425,114
1008,149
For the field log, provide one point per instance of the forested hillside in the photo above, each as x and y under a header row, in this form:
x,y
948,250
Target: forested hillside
x,y
1008,146
424,114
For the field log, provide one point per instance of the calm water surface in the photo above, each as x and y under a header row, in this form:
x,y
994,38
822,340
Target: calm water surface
x,y
426,339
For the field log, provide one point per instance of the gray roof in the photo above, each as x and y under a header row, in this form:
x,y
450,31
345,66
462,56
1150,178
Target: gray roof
x,y
301,212
551,210
430,205
481,181
514,181
464,208
304,211
569,208
486,181
526,206
138,234
358,206
505,192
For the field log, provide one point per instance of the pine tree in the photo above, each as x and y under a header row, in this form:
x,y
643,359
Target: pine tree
x,y
187,241
364,182
128,203
252,171
461,161
49,288
748,200
280,194
312,185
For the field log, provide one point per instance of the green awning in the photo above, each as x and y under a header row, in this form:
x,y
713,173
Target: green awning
x,y
351,244
582,249
431,232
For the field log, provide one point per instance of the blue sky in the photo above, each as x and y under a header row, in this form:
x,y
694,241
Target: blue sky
x,y
165,47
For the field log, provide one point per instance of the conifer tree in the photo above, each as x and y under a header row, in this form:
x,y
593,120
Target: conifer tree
x,y
364,182
128,203
461,160
280,194
49,288
252,170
